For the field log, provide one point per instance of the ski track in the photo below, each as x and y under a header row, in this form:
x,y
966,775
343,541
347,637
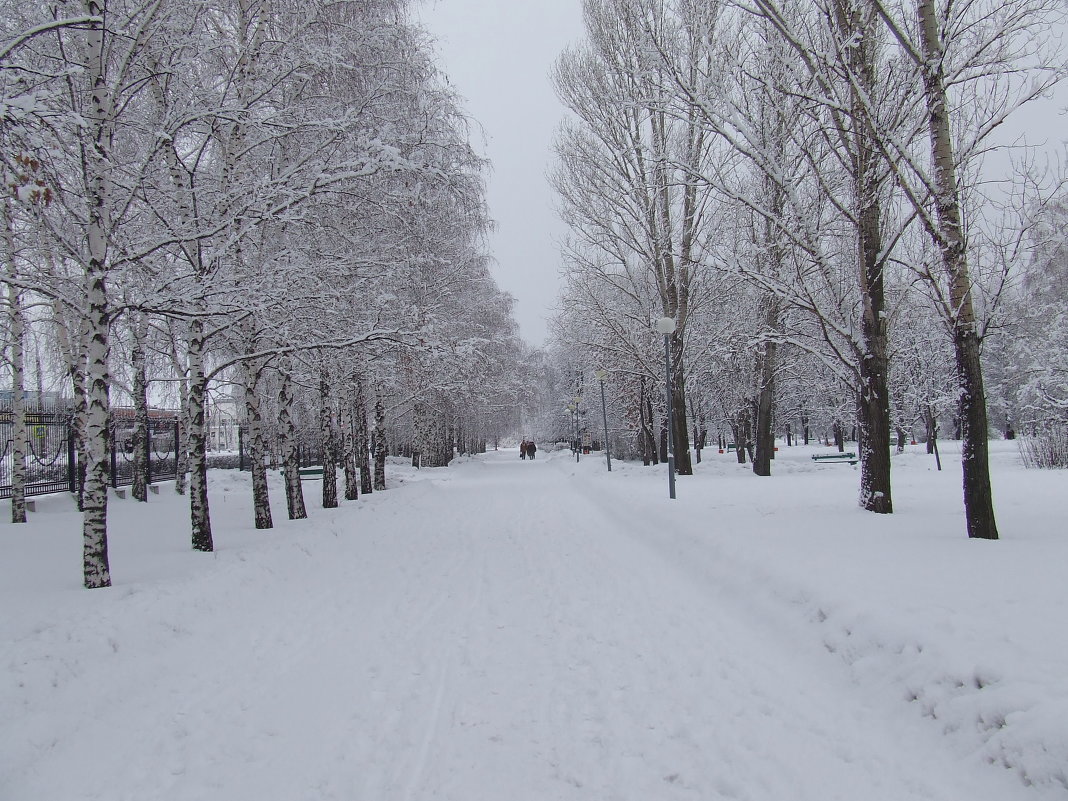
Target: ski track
x,y
494,647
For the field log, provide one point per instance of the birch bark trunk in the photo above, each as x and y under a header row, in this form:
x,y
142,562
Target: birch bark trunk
x,y
363,453
199,514
95,566
352,480
139,490
261,499
326,435
17,331
288,436
380,440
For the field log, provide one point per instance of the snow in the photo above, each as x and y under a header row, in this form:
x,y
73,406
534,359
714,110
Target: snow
x,y
508,629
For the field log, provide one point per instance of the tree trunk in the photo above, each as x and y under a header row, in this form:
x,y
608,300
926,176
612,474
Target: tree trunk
x,y
978,499
764,435
975,454
200,516
327,440
740,426
288,437
16,329
96,569
141,455
95,562
646,440
352,485
261,498
380,440
700,434
856,25
363,453
680,432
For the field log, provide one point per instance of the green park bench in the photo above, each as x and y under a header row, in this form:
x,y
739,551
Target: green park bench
x,y
834,458
309,473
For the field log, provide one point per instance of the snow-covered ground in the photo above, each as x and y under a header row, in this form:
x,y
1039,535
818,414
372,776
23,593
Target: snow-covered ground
x,y
510,630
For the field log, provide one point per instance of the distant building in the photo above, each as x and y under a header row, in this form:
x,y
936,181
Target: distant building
x,y
34,400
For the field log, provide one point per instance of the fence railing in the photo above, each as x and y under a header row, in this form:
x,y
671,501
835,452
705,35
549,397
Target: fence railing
x,y
309,449
51,459
49,463
162,451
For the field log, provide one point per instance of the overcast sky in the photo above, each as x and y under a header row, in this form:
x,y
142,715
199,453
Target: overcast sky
x,y
498,55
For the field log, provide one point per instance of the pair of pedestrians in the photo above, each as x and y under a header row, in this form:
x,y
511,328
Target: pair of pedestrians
x,y
527,449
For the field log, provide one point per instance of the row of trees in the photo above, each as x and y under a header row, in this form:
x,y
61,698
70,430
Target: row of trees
x,y
800,186
276,194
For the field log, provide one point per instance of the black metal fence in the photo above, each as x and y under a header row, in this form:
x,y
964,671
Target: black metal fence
x,y
309,450
49,463
52,460
162,450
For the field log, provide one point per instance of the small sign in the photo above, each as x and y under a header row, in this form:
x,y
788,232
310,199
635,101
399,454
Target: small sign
x,y
40,431
587,439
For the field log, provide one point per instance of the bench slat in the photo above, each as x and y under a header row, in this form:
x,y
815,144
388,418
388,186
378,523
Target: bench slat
x,y
835,458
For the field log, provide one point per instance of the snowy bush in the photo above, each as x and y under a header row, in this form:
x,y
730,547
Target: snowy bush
x,y
1046,449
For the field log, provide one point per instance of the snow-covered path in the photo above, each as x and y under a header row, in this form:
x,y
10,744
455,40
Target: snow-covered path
x,y
507,630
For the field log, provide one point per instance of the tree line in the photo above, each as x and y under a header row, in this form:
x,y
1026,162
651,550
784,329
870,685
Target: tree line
x,y
272,195
804,189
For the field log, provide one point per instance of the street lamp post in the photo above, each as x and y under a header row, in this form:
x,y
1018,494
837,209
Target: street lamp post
x,y
601,373
666,326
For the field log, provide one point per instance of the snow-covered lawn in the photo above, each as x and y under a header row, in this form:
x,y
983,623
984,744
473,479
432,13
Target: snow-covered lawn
x,y
509,630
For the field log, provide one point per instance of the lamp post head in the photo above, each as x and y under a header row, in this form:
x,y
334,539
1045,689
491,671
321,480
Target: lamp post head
x,y
600,373
666,325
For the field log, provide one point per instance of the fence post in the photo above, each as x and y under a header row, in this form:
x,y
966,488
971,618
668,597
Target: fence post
x,y
72,455
114,459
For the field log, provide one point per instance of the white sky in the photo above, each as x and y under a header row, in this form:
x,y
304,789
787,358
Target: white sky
x,y
498,56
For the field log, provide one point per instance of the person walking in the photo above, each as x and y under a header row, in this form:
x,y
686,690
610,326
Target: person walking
x,y
531,449
523,449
